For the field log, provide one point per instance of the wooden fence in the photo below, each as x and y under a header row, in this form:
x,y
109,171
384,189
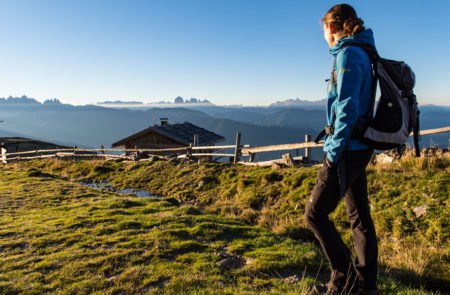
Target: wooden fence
x,y
236,151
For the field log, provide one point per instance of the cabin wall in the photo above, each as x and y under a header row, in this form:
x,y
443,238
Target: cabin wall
x,y
152,140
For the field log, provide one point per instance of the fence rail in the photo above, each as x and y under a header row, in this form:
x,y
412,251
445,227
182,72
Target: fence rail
x,y
435,131
181,152
282,147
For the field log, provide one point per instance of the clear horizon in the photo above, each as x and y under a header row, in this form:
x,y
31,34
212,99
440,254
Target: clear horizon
x,y
249,53
167,103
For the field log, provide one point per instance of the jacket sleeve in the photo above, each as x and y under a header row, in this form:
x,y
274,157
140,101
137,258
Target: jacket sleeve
x,y
349,72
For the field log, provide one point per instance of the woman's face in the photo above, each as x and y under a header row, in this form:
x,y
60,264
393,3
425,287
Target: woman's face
x,y
328,35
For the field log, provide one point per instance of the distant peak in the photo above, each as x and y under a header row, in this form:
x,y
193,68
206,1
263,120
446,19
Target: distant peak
x,y
18,100
119,102
193,100
52,101
298,102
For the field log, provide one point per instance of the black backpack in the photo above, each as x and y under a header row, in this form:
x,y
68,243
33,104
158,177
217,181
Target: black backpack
x,y
396,115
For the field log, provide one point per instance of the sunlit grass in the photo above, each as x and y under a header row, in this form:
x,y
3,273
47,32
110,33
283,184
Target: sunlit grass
x,y
57,236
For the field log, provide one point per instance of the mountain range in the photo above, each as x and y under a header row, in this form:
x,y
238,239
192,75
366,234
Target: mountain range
x,y
94,125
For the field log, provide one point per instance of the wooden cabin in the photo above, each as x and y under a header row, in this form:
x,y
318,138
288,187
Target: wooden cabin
x,y
21,144
168,135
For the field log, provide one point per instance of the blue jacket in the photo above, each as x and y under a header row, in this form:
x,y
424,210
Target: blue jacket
x,y
349,97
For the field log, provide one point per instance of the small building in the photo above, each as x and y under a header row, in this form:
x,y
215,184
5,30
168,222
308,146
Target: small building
x,y
168,135
21,144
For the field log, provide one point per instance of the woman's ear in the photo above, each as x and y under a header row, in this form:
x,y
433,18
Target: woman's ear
x,y
332,28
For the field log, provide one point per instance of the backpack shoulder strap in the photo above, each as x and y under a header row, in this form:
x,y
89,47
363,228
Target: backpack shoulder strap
x,y
372,53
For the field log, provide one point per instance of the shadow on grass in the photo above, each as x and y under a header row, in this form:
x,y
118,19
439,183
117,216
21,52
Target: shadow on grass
x,y
409,278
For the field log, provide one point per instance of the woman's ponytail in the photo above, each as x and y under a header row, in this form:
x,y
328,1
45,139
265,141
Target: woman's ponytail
x,y
344,19
352,26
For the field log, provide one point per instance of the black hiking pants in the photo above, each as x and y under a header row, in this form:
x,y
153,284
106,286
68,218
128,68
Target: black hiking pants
x,y
347,180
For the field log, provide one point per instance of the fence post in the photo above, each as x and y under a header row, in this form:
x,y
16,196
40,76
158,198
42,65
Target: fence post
x,y
137,153
237,148
307,150
4,151
251,157
74,153
287,160
196,140
56,152
189,150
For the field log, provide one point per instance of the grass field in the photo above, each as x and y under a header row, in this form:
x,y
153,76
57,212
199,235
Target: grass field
x,y
218,228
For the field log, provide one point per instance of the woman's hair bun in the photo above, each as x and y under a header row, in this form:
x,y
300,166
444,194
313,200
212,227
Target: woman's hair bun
x,y
345,19
352,26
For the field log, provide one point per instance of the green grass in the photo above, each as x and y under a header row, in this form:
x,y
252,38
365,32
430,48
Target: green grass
x,y
57,236
60,237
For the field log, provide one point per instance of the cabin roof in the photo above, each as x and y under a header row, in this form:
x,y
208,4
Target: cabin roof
x,y
179,132
25,144
23,140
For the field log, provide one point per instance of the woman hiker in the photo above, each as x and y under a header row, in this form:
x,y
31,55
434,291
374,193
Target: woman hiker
x,y
343,174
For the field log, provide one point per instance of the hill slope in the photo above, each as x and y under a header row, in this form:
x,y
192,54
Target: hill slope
x,y
59,236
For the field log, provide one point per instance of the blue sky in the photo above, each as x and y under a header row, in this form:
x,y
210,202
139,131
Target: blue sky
x,y
249,52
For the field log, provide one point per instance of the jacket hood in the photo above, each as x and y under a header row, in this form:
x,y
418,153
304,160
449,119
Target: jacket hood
x,y
365,37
